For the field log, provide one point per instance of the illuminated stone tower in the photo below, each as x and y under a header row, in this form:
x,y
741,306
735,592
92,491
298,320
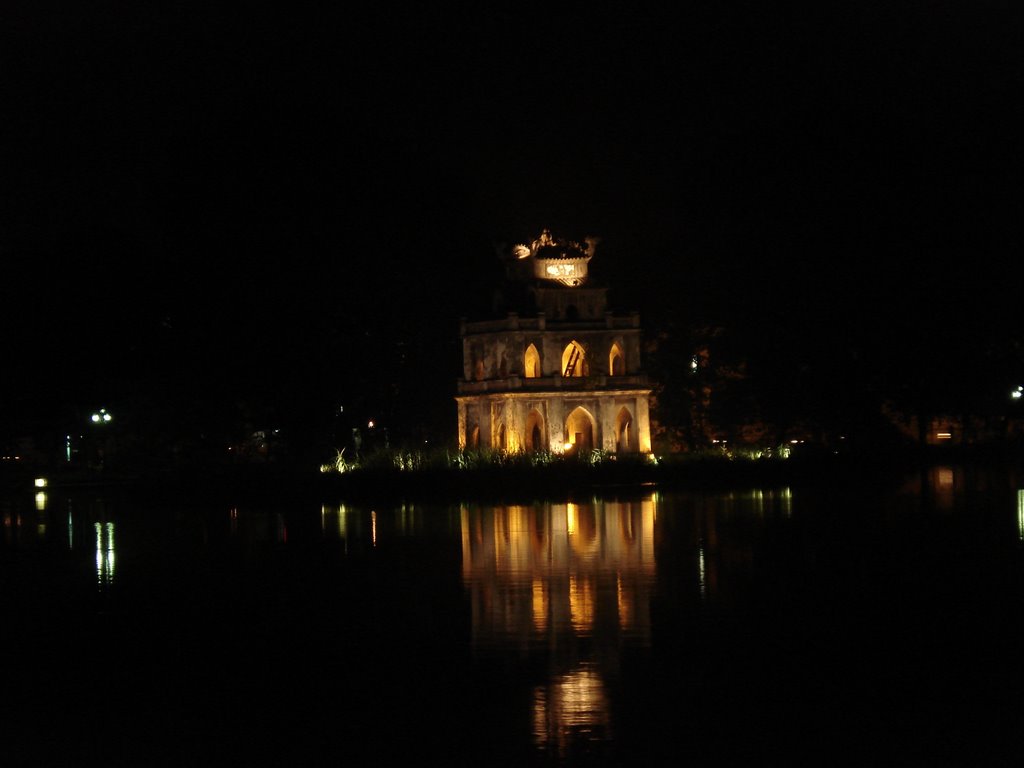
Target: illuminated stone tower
x,y
558,371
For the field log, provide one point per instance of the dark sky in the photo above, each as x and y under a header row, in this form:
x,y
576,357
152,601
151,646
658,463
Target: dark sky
x,y
240,177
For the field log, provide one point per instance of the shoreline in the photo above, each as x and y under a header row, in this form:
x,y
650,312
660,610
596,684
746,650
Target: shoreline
x,y
510,483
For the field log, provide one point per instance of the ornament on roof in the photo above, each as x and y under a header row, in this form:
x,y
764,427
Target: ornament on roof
x,y
558,259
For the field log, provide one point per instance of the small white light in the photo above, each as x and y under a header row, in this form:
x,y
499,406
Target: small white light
x,y
40,482
95,417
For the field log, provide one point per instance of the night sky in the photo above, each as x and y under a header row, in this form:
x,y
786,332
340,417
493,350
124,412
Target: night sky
x,y
272,211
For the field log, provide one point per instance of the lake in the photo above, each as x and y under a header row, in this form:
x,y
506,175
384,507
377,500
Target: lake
x,y
874,623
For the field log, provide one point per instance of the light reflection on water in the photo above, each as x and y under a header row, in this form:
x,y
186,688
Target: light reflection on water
x,y
567,594
543,579
539,574
571,707
105,557
1020,513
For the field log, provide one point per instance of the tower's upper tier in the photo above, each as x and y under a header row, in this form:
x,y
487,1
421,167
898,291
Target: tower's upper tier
x,y
556,259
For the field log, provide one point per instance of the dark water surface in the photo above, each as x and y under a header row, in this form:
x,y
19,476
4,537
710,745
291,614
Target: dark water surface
x,y
779,626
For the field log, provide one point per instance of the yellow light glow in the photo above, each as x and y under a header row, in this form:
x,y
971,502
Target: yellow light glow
x,y
40,482
943,435
561,270
40,501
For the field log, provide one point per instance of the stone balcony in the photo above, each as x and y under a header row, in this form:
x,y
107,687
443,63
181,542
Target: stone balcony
x,y
553,383
514,322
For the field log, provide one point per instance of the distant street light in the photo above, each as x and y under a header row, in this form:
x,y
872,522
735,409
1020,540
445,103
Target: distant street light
x,y
1017,393
102,417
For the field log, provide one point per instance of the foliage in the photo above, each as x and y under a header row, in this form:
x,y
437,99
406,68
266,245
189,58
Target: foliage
x,y
387,459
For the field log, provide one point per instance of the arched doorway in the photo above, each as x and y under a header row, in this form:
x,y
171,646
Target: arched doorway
x,y
535,432
473,438
625,440
502,437
579,430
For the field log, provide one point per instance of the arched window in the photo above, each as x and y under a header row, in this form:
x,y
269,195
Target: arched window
x,y
616,360
473,439
501,438
531,362
574,361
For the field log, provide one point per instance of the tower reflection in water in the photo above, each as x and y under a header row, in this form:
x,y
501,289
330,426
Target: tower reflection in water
x,y
570,583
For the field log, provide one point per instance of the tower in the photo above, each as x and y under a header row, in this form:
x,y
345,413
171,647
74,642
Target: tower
x,y
554,369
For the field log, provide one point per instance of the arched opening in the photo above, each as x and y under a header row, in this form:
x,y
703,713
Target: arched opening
x,y
531,363
574,361
579,430
473,438
625,440
535,431
478,370
616,361
501,438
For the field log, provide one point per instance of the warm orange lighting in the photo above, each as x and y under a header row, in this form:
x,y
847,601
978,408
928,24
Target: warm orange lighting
x,y
532,362
573,360
943,435
616,361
